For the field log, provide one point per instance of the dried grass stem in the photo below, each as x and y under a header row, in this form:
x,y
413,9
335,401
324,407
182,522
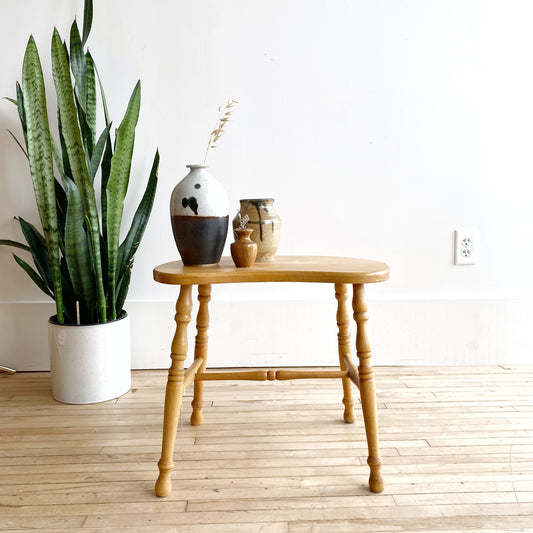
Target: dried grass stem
x,y
223,118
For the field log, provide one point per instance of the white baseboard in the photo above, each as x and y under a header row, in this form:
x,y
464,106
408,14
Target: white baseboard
x,y
294,332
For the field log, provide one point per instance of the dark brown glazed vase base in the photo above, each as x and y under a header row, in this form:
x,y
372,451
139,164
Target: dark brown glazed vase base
x,y
200,240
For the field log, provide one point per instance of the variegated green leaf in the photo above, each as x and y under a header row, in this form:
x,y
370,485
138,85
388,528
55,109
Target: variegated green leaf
x,y
58,158
90,109
133,238
87,19
84,90
78,65
94,163
117,186
77,247
40,158
22,113
64,166
77,160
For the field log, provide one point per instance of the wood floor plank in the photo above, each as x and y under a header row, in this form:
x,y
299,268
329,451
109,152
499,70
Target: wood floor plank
x,y
456,444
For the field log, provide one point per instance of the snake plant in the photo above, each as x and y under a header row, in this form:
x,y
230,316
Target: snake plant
x,y
78,258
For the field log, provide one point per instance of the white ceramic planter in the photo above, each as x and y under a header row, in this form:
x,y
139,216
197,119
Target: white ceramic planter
x,y
90,363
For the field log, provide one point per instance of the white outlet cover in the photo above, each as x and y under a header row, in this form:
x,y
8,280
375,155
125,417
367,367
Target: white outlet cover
x,y
466,246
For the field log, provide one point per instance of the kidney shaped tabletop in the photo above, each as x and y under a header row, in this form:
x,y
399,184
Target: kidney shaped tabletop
x,y
308,269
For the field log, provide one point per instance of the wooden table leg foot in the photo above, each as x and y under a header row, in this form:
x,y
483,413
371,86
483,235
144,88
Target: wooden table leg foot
x,y
375,481
349,414
367,388
174,391
197,418
163,486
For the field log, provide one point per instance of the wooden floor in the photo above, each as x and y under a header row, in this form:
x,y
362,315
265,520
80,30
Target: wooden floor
x,y
457,449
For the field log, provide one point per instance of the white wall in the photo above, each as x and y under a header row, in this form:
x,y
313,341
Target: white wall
x,y
379,126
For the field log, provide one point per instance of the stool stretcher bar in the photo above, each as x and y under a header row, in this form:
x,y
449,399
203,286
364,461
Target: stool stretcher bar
x,y
192,374
271,375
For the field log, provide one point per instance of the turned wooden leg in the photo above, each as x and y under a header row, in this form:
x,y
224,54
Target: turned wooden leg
x,y
200,350
174,392
367,388
343,323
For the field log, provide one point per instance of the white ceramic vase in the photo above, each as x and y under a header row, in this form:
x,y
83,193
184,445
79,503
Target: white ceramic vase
x,y
199,212
90,363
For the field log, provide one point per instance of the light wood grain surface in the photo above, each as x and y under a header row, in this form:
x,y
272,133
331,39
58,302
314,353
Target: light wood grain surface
x,y
456,444
284,268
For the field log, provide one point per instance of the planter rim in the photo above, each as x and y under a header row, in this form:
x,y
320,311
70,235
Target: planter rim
x,y
53,322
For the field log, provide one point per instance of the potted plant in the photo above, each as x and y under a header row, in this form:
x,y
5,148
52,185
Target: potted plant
x,y
78,258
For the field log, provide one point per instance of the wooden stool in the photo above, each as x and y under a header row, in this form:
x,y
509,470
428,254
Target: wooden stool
x,y
339,271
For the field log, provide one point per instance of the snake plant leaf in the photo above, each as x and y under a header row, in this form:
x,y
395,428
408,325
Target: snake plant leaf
x,y
78,65
87,19
61,206
103,251
117,186
40,159
15,244
33,275
22,113
84,89
64,166
69,299
77,253
104,178
18,142
133,238
86,134
58,158
90,109
106,159
123,286
12,100
61,198
37,244
96,158
102,95
19,102
76,157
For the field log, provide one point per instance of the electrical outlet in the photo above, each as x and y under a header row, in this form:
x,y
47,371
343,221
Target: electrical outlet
x,y
466,246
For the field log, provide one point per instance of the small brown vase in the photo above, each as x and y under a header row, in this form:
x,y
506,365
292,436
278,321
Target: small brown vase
x,y
243,250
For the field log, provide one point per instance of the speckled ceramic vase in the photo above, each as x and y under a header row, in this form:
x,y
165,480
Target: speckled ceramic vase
x,y
199,211
266,225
